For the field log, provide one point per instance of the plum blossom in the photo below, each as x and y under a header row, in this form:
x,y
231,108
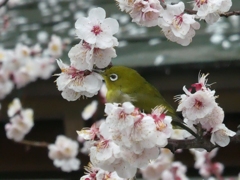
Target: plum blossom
x,y
55,46
221,135
213,119
75,83
103,152
125,5
203,162
21,121
81,56
197,105
200,108
129,128
85,149
176,171
209,10
97,30
14,107
95,173
163,127
176,25
22,51
90,133
103,93
22,65
29,72
6,86
142,159
128,139
120,117
84,55
107,155
89,110
202,83
146,13
67,165
154,170
47,67
64,153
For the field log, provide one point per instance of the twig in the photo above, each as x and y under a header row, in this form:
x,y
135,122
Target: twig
x,y
227,14
34,143
204,143
231,13
188,11
3,3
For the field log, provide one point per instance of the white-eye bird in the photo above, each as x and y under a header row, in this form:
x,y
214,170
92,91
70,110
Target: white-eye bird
x,y
125,84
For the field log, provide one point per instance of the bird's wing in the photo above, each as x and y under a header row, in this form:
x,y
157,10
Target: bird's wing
x,y
148,97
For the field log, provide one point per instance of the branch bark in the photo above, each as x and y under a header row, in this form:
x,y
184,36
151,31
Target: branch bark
x,y
3,3
227,14
34,143
204,143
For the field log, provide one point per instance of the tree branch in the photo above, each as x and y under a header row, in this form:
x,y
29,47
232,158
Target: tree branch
x,y
204,143
227,14
231,13
34,143
3,3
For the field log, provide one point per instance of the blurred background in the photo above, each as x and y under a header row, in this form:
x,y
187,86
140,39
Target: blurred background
x,y
168,66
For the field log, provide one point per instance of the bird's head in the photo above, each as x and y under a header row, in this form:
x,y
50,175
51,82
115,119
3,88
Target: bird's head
x,y
117,77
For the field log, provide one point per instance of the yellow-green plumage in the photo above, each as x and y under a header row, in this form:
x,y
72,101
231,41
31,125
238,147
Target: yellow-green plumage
x,y
131,86
125,84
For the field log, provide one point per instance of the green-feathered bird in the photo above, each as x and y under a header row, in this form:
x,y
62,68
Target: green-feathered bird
x,y
125,84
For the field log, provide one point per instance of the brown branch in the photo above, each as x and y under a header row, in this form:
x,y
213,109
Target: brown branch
x,y
173,144
3,3
188,11
204,143
34,143
227,14
231,13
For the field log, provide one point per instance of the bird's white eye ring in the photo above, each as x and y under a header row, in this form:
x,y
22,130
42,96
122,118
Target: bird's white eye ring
x,y
113,77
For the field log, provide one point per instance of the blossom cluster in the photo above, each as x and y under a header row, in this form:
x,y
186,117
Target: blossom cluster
x,y
164,168
176,25
63,153
203,162
21,121
128,139
96,48
198,107
210,10
96,173
24,64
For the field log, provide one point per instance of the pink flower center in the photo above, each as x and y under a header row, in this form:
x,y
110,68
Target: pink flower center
x,y
122,115
86,45
94,131
103,144
198,104
177,22
96,30
201,2
73,72
107,176
197,86
160,125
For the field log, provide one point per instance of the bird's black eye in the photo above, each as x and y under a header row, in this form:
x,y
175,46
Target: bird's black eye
x,y
113,77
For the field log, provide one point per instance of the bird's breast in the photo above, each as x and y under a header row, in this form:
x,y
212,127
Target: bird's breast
x,y
119,97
